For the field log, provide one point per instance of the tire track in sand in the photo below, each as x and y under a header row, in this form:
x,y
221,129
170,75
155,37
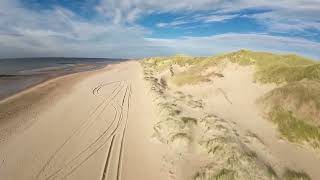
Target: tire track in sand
x,y
73,165
119,162
85,123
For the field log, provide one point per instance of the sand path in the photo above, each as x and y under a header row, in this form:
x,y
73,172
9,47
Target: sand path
x,y
100,130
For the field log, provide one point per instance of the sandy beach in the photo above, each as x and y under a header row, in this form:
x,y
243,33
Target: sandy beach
x,y
132,121
91,125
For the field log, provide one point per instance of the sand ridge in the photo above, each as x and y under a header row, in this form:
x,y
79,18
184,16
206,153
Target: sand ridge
x,y
216,128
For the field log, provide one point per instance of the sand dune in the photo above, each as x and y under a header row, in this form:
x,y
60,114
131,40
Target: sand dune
x,y
210,117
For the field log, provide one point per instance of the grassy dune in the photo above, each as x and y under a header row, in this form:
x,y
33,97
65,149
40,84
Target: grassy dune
x,y
270,68
294,105
295,108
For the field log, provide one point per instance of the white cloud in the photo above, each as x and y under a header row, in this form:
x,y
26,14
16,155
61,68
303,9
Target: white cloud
x,y
282,15
61,32
196,19
206,46
174,23
216,18
121,10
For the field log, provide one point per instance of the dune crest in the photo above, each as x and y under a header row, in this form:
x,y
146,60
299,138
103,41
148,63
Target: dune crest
x,y
212,115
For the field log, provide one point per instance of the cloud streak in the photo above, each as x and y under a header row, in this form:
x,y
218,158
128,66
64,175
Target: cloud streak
x,y
282,15
206,46
116,32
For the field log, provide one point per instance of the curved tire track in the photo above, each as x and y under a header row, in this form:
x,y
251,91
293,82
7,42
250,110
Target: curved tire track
x,y
84,125
100,142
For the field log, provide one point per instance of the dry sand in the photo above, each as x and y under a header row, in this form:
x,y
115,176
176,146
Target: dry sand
x,y
96,127
229,126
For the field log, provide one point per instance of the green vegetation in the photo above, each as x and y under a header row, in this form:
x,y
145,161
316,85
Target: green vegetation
x,y
273,68
181,136
195,67
188,78
251,154
294,129
272,173
302,98
293,175
280,73
295,108
225,174
294,105
163,63
270,68
187,120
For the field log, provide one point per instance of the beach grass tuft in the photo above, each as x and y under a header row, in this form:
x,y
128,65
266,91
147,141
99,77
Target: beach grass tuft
x,y
294,175
295,129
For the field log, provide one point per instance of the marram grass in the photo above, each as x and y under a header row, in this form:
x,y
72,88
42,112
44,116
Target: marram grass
x,y
295,103
295,129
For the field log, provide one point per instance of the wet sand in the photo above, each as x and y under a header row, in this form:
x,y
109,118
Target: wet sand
x,y
11,84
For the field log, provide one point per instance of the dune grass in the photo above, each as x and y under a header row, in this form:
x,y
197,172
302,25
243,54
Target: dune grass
x,y
282,73
295,109
274,68
163,63
294,105
272,173
225,174
196,65
293,175
189,120
188,78
270,68
195,73
181,136
295,129
301,97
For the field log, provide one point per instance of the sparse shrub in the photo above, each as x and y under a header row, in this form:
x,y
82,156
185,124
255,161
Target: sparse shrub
x,y
294,175
189,120
181,136
225,174
294,129
272,173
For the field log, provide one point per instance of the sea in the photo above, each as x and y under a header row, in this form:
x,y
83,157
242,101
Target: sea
x,y
17,75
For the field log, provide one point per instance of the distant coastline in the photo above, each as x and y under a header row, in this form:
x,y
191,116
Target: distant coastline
x,y
17,75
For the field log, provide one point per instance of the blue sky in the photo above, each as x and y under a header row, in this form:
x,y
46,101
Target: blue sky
x,y
140,28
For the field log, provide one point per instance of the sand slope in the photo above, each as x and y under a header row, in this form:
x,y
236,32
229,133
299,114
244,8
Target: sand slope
x,y
100,129
215,129
126,122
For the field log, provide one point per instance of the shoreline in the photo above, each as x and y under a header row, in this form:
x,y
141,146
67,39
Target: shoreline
x,y
41,94
47,78
39,98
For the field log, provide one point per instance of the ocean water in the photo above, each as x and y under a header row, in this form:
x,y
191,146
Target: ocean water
x,y
25,65
19,74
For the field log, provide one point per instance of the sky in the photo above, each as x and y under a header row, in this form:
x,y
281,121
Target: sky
x,y
144,28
